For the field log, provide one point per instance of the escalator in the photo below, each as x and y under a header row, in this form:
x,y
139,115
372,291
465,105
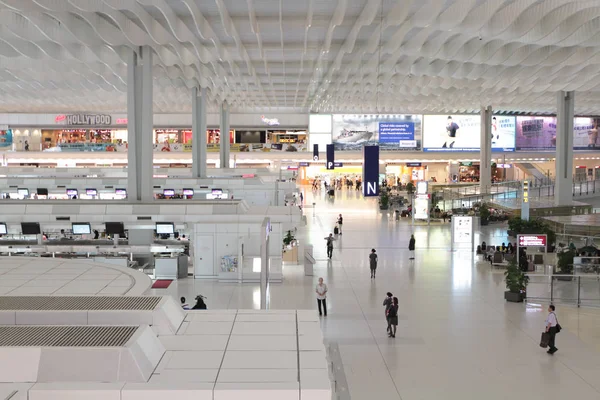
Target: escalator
x,y
533,173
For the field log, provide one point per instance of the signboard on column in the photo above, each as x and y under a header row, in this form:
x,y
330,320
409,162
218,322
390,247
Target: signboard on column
x,y
316,152
370,178
525,202
330,157
462,231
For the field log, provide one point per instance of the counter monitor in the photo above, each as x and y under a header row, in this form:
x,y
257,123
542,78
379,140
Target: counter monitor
x,y
23,192
72,192
81,228
217,191
91,192
121,192
115,228
42,192
3,228
165,228
30,228
169,192
188,192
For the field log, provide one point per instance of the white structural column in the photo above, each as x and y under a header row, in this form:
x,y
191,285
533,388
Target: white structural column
x,y
224,135
485,164
140,124
199,133
563,189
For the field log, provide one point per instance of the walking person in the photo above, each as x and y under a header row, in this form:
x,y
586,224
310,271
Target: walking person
x,y
340,221
411,247
321,291
387,303
373,262
552,328
392,315
330,240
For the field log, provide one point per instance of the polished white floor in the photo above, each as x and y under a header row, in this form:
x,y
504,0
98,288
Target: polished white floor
x,y
457,338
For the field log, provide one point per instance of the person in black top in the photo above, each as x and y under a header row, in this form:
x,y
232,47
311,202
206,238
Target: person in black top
x,y
387,303
411,246
393,317
340,221
96,234
373,262
451,128
329,245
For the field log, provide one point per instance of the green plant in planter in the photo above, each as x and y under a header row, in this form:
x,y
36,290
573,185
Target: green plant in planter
x,y
518,226
565,262
516,282
410,188
384,200
484,214
289,238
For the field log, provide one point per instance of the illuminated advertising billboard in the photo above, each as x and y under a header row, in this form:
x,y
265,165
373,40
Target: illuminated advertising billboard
x,y
536,133
585,133
389,131
463,133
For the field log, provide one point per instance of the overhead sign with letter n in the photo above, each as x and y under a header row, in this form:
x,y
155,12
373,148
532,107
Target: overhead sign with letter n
x,y
370,185
330,157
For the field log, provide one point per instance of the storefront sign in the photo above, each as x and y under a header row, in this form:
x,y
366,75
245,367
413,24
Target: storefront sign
x,y
532,240
303,164
338,164
330,157
370,186
84,119
270,121
413,164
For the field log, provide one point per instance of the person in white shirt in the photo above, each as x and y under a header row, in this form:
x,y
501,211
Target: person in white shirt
x,y
321,291
551,323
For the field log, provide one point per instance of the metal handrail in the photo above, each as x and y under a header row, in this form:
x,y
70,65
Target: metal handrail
x,y
566,289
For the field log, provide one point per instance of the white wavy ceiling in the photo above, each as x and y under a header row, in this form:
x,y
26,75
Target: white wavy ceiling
x,y
303,55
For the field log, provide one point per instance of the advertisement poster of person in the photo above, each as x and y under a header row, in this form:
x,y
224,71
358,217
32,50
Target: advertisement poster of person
x,y
6,139
585,133
389,131
463,133
536,133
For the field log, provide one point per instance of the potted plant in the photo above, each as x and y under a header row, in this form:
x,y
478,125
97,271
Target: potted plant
x,y
484,214
564,264
410,188
384,200
516,283
288,239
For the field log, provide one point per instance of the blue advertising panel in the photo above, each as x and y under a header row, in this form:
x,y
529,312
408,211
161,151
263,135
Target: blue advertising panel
x,y
6,138
396,132
330,157
370,181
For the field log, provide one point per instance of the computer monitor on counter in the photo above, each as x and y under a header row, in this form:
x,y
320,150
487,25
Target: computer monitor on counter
x,y
165,228
81,228
30,228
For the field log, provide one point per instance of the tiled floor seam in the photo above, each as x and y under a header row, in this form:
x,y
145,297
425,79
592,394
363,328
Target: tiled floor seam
x,y
224,353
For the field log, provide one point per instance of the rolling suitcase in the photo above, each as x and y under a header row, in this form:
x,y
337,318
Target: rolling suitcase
x,y
336,230
331,192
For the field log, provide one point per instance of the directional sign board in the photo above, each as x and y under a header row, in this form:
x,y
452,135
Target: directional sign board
x,y
532,240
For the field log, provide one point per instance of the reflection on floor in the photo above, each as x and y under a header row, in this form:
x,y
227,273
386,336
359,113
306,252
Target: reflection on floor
x,y
457,338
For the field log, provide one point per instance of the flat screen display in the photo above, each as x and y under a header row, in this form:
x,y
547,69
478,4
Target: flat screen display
x,y
23,192
115,228
42,192
169,192
30,228
91,192
188,192
389,131
81,228
165,228
456,133
217,191
3,228
72,192
121,192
